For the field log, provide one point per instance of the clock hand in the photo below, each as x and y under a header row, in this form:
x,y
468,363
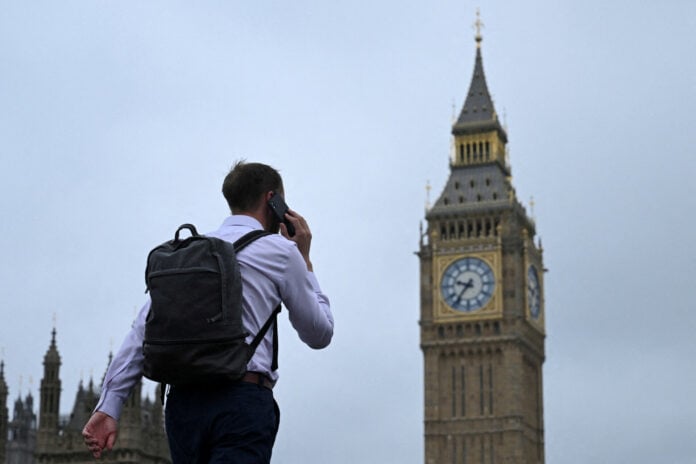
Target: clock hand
x,y
467,286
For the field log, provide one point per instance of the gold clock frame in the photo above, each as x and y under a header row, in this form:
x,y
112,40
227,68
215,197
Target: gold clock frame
x,y
539,322
492,310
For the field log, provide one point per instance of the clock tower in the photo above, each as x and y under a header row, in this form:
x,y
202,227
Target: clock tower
x,y
482,308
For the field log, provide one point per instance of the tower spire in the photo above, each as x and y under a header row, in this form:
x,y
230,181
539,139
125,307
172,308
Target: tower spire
x,y
478,113
478,24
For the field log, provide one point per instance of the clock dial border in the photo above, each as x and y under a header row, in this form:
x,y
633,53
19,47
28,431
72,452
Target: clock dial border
x,y
539,322
533,292
467,284
492,307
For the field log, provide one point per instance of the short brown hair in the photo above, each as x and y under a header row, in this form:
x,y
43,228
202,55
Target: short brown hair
x,y
246,183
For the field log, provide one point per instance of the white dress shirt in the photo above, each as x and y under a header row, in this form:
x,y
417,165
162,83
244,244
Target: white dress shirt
x,y
273,270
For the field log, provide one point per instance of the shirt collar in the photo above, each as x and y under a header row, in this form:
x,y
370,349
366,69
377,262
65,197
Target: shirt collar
x,y
242,220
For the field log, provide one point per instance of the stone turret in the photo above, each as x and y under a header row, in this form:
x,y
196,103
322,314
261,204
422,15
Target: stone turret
x,y
85,401
3,412
22,432
50,397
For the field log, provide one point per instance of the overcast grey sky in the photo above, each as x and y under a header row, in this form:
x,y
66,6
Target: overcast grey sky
x,y
118,121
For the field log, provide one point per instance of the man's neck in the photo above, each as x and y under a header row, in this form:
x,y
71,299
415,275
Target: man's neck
x,y
258,214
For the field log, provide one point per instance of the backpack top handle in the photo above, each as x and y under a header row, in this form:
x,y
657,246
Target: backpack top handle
x,y
190,227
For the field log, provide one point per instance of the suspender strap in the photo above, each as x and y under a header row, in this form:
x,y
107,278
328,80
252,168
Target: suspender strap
x,y
273,318
274,363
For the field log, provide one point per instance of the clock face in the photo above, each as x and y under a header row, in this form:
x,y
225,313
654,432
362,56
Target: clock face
x,y
467,284
533,292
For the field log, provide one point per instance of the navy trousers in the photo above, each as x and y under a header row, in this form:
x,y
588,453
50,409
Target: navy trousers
x,y
232,424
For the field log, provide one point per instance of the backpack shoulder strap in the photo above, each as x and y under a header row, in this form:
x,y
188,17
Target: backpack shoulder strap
x,y
246,239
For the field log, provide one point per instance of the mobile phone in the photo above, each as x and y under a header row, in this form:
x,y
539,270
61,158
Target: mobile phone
x,y
279,208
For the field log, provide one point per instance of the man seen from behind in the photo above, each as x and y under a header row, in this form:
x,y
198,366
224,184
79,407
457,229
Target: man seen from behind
x,y
232,422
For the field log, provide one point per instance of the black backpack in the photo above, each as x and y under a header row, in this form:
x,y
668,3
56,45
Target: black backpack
x,y
194,332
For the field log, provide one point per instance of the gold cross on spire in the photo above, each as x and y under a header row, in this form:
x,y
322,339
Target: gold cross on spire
x,y
478,24
427,195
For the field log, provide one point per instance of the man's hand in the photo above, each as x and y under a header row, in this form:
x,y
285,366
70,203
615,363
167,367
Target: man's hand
x,y
100,433
302,237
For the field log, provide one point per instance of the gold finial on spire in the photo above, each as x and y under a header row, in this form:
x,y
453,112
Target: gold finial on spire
x,y
531,207
478,25
427,195
53,331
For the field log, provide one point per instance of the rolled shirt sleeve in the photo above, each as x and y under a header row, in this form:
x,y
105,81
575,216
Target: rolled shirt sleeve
x,y
125,369
308,307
